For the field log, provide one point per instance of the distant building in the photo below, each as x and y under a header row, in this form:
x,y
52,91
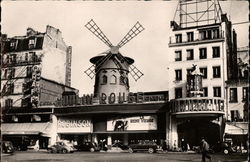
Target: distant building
x,y
35,72
237,101
36,52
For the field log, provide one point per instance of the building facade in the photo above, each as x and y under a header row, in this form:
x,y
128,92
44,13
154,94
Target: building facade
x,y
237,100
30,80
208,44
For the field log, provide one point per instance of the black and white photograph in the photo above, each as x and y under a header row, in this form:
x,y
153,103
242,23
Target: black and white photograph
x,y
130,81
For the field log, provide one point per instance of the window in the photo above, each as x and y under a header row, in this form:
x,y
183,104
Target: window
x,y
189,71
216,71
235,116
177,55
8,103
10,88
190,36
203,35
178,92
233,95
190,54
245,93
178,74
11,73
31,43
113,79
205,92
216,52
217,91
29,71
104,79
12,45
26,57
178,38
204,72
203,53
216,33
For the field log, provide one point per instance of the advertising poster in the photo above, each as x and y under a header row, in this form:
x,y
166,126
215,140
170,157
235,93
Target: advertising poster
x,y
133,123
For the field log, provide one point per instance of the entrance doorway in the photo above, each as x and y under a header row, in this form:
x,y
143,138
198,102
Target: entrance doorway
x,y
193,131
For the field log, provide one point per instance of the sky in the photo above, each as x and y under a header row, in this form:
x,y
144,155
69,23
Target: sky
x,y
149,49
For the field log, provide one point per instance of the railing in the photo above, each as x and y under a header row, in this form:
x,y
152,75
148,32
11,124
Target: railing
x,y
197,104
21,62
196,39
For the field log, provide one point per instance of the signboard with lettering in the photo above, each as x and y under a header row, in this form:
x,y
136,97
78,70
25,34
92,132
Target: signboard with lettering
x,y
74,125
133,123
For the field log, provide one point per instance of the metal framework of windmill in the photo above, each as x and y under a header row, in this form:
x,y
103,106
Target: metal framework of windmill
x,y
114,50
197,13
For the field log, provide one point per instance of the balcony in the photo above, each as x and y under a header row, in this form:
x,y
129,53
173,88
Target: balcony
x,y
198,39
13,63
197,107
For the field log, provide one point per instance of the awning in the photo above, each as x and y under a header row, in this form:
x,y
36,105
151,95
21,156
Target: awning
x,y
236,129
25,128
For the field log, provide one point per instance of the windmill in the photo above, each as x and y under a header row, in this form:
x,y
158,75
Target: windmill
x,y
111,68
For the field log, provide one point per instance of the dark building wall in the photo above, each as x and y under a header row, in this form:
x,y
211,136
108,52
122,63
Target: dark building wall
x,y
51,91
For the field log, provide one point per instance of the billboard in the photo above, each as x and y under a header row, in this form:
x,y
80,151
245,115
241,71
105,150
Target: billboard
x,y
74,125
135,123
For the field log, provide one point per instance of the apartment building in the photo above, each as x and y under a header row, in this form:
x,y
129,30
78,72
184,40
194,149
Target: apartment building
x,y
31,83
201,41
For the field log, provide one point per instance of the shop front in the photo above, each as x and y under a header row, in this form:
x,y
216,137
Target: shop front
x,y
110,124
27,135
76,129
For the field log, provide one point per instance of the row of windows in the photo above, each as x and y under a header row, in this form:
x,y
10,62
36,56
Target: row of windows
x,y
31,45
12,58
203,35
113,80
203,70
202,53
233,94
10,73
216,92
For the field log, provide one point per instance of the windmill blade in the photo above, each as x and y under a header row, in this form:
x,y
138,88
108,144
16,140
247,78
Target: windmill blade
x,y
134,31
134,71
91,26
90,71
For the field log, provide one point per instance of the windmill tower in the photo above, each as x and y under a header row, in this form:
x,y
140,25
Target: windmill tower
x,y
111,68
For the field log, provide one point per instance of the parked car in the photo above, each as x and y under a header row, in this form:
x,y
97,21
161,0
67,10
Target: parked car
x,y
121,146
34,145
149,146
88,146
61,147
7,147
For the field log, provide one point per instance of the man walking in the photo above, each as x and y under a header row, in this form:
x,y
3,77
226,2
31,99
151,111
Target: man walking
x,y
204,150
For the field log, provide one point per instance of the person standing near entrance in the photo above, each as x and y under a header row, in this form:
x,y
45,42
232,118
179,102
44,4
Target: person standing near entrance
x,y
204,150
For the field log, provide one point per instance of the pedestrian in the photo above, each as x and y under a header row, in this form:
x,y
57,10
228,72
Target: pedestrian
x,y
204,150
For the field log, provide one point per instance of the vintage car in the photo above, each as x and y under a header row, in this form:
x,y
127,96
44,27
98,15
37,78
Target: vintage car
x,y
61,147
149,146
34,145
88,146
7,147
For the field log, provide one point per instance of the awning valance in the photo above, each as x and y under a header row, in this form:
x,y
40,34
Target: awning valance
x,y
236,129
25,128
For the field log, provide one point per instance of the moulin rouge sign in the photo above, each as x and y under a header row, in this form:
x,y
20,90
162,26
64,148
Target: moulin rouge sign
x,y
112,98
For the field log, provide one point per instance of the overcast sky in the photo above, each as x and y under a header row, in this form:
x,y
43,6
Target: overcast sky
x,y
149,49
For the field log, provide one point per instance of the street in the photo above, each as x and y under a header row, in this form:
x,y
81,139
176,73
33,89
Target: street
x,y
42,156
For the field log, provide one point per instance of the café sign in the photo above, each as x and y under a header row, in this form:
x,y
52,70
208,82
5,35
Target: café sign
x,y
133,123
74,125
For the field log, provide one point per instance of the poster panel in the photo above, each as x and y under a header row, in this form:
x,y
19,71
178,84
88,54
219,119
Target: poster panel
x,y
132,123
